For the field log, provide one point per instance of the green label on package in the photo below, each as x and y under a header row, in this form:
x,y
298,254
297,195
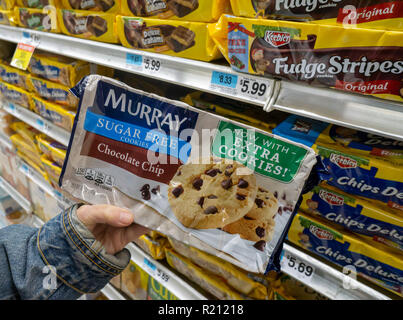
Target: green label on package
x,y
265,155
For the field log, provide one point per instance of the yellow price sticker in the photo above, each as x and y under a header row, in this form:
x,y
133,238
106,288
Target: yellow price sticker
x,y
22,56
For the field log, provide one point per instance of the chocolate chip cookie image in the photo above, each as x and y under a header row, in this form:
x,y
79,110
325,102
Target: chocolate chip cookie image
x,y
211,195
258,224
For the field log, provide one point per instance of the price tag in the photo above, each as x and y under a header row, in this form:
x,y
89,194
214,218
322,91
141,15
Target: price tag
x,y
254,88
222,80
42,126
300,270
134,61
155,272
24,51
152,65
11,108
250,87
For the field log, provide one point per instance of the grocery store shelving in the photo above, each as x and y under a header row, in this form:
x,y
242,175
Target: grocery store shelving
x,y
36,121
181,289
355,111
6,142
21,200
35,177
330,282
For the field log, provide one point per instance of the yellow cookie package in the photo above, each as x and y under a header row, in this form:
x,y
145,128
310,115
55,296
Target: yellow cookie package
x,y
154,247
188,10
176,38
53,92
246,283
15,95
38,4
109,6
7,17
38,19
89,25
59,115
14,76
60,69
373,261
7,4
365,61
386,15
52,149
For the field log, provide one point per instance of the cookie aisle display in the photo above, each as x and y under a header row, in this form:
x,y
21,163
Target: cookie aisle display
x,y
37,19
373,261
178,38
365,61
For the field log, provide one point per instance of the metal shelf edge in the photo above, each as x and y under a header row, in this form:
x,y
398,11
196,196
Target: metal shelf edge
x,y
22,201
177,286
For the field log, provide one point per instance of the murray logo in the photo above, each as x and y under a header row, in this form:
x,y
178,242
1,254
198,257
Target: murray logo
x,y
277,38
342,161
320,233
331,198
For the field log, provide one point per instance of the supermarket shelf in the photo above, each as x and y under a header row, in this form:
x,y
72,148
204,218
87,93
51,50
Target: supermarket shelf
x,y
376,116
22,201
181,289
5,141
33,175
111,293
37,122
330,282
355,111
198,74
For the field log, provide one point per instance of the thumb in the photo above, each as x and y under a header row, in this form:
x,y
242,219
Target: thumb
x,y
91,215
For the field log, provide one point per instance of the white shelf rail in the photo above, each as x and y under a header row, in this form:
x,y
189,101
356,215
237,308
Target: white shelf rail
x,y
376,116
181,289
330,282
20,199
36,121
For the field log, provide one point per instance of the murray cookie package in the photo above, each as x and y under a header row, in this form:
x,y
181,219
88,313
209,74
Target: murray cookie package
x,y
215,184
366,61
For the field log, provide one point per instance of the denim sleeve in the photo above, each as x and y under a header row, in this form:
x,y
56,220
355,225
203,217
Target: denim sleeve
x,y
62,260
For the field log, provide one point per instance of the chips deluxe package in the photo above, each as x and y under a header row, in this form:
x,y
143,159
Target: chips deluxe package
x,y
376,178
38,4
60,69
366,61
385,14
53,149
110,6
14,76
154,247
355,214
7,17
377,263
15,95
310,131
215,184
37,19
189,10
176,38
91,25
52,91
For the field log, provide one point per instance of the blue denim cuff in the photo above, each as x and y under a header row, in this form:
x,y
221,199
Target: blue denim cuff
x,y
79,261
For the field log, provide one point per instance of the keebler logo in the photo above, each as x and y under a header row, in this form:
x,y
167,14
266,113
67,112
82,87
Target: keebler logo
x,y
342,161
331,198
277,38
320,233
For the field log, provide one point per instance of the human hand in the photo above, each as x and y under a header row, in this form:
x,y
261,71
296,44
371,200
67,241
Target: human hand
x,y
112,226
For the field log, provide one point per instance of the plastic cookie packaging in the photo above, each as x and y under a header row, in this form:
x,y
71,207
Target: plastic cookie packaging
x,y
242,178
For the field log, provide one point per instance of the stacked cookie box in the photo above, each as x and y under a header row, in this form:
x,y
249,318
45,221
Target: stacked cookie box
x,y
358,201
